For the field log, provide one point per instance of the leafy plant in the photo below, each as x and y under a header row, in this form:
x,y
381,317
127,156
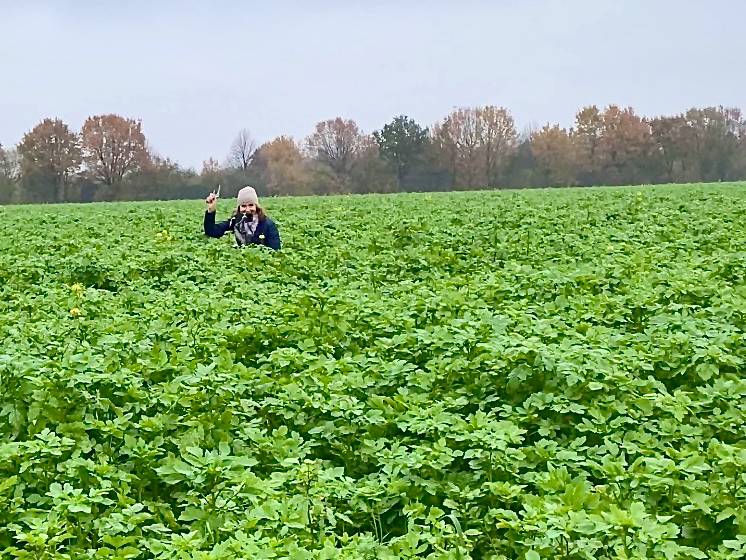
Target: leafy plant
x,y
525,374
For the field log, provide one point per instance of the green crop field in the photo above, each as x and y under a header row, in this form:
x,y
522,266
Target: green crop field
x,y
510,374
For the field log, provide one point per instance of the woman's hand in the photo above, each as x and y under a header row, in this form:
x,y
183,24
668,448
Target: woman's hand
x,y
211,201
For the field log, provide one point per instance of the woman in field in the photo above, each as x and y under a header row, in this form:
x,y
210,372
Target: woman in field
x,y
248,222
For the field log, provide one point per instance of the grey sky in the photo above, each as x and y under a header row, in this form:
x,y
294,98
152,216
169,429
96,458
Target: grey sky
x,y
197,72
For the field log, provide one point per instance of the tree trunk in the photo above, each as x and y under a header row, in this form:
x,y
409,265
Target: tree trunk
x,y
60,189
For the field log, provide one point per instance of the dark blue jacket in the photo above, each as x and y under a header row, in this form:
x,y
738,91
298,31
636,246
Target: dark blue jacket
x,y
266,230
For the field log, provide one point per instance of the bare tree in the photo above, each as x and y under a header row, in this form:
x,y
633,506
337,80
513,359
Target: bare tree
x,y
499,137
336,143
10,164
460,135
114,147
52,150
10,174
242,151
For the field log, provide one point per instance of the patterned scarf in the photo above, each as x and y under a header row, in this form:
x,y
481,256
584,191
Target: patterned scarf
x,y
244,228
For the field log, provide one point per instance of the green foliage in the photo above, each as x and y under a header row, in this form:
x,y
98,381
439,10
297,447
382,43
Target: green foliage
x,y
526,374
401,143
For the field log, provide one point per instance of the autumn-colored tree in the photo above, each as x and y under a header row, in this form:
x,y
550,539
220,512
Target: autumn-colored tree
x,y
336,143
242,151
401,143
459,137
623,152
476,144
113,147
468,137
281,167
615,146
587,132
498,138
51,152
471,148
556,155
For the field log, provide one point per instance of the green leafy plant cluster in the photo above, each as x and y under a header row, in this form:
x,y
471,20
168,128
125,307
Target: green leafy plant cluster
x,y
527,374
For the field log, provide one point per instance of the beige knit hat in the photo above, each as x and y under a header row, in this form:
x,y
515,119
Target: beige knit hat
x,y
247,195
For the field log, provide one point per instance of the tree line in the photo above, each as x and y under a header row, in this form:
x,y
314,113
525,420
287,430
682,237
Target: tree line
x,y
109,158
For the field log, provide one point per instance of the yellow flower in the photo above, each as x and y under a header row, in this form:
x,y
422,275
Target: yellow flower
x,y
159,234
76,288
75,312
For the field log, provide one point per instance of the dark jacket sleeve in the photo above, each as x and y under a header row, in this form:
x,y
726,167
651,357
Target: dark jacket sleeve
x,y
215,230
272,236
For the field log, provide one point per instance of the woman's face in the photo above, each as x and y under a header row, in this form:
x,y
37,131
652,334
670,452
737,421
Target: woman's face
x,y
247,208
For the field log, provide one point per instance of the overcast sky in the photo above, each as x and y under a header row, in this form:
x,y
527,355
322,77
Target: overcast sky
x,y
197,72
